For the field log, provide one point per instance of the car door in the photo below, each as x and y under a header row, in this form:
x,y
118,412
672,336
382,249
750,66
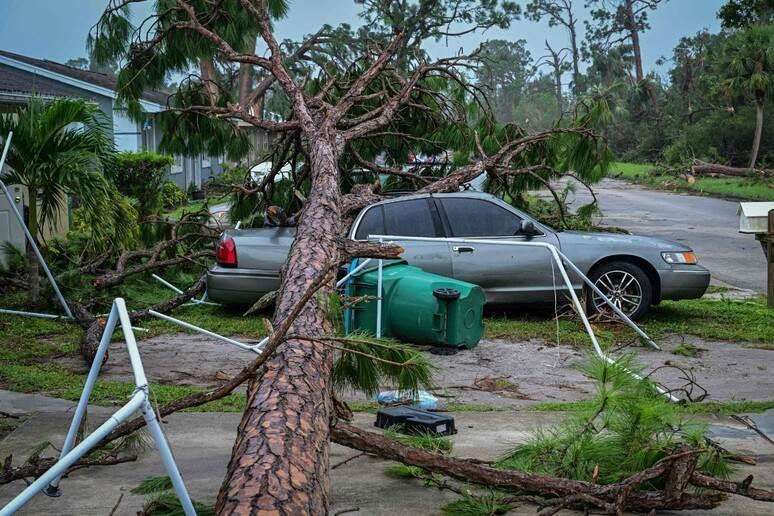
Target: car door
x,y
414,217
507,273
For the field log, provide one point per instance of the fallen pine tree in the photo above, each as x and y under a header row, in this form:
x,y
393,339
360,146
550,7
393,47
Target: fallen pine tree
x,y
702,168
386,89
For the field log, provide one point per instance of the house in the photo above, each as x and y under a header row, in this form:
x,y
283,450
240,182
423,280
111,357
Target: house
x,y
22,77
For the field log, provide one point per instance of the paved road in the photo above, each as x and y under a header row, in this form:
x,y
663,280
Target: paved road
x,y
707,225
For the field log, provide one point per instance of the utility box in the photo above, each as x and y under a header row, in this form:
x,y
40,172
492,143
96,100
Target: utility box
x,y
417,306
754,217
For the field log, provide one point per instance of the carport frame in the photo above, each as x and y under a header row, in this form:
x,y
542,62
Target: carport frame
x,y
559,259
48,482
28,238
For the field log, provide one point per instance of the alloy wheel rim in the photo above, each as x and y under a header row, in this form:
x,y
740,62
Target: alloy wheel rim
x,y
622,288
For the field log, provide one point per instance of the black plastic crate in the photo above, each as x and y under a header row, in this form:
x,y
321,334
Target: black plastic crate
x,y
414,421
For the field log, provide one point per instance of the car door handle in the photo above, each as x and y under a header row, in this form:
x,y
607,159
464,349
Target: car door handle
x,y
463,249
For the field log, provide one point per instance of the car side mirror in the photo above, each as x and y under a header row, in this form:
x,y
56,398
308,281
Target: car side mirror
x,y
527,228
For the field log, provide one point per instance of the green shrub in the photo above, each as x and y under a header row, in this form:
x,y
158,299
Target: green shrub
x,y
172,195
230,176
140,175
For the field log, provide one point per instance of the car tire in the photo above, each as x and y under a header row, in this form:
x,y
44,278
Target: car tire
x,y
625,284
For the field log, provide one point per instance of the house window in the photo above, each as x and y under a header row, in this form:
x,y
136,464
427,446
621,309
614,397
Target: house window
x,y
126,132
177,166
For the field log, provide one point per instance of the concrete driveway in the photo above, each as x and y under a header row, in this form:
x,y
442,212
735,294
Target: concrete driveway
x,y
708,225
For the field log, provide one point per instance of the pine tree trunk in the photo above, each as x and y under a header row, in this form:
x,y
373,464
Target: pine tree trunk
x,y
279,463
558,90
245,77
632,23
576,76
33,291
758,133
207,73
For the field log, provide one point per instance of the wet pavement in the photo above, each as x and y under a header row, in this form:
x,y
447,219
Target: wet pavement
x,y
708,225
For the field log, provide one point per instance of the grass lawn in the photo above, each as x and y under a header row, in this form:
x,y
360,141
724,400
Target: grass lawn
x,y
727,187
733,320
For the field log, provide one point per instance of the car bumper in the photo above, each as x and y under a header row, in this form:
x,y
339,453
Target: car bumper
x,y
684,282
239,286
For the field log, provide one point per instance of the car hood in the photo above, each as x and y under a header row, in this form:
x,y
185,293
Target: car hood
x,y
569,239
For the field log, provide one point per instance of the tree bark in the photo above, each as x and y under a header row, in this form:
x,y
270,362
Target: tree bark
x,y
676,469
207,73
280,459
758,133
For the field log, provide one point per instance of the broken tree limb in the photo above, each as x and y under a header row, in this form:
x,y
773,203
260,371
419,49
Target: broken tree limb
x,y
703,168
113,278
33,469
467,471
742,488
94,325
350,249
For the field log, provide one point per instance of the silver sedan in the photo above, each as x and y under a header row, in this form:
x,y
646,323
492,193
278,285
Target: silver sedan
x,y
634,271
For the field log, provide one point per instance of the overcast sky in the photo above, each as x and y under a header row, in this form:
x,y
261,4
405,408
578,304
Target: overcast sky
x,y
57,29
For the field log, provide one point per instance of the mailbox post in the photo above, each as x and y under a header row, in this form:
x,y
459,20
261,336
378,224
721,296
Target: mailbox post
x,y
757,218
767,240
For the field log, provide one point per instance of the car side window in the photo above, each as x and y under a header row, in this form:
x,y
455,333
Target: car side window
x,y
409,218
479,218
372,223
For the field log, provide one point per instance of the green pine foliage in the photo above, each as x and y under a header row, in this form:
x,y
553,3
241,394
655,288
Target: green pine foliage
x,y
366,363
152,485
627,428
487,504
424,441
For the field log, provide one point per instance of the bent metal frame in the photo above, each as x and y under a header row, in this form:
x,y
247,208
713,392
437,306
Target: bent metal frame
x,y
48,482
34,246
561,260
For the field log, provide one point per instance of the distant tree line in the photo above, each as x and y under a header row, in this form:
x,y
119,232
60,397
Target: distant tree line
x,y
711,104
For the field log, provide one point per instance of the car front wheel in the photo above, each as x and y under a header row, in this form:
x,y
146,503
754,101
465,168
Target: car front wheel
x,y
625,284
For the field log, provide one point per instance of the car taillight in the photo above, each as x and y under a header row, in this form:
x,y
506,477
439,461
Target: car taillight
x,y
225,254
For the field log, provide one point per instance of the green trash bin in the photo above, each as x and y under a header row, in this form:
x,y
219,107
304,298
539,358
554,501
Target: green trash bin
x,y
418,307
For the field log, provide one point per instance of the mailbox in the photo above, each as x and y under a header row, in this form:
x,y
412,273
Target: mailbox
x,y
754,217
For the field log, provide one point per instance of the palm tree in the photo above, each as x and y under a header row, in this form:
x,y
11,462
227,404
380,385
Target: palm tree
x,y
747,68
59,148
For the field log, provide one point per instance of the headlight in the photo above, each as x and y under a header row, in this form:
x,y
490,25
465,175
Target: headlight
x,y
688,257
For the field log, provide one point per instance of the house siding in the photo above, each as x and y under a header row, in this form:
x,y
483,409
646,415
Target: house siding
x,y
26,82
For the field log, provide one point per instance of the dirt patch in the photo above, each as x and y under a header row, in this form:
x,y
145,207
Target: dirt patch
x,y
496,373
175,358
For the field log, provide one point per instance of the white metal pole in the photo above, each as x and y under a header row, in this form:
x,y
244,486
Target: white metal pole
x,y
590,331
27,233
32,314
379,289
609,302
131,343
80,410
354,271
162,445
64,463
248,347
194,301
165,282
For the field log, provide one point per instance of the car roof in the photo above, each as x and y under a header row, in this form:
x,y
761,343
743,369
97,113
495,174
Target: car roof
x,y
465,194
